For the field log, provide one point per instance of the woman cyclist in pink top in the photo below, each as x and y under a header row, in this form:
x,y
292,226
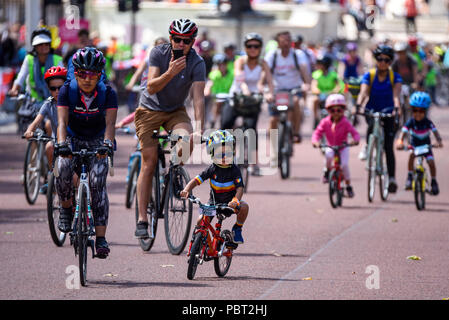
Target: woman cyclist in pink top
x,y
336,128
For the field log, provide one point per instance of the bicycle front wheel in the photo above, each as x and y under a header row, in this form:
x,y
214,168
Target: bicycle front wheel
x,y
372,152
31,172
419,191
284,152
195,255
82,237
335,194
223,263
53,206
383,178
132,183
178,212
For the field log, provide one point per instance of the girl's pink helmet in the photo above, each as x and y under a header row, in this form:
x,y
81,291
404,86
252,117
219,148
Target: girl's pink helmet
x,y
335,99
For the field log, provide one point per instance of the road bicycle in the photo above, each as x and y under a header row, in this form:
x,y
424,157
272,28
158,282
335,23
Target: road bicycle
x,y
165,202
376,162
83,227
283,103
336,176
35,168
211,243
420,182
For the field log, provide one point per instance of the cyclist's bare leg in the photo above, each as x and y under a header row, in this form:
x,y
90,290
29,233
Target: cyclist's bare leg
x,y
145,180
433,168
48,130
49,149
243,213
296,116
411,160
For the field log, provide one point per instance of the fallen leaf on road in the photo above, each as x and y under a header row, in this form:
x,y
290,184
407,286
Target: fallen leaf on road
x,y
167,265
310,199
276,254
319,210
414,258
309,278
394,220
9,232
110,275
445,298
353,272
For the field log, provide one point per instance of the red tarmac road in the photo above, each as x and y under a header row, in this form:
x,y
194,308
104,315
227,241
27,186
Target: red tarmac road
x,y
296,245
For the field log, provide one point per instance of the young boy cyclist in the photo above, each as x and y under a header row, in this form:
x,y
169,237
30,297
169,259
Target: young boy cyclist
x,y
225,179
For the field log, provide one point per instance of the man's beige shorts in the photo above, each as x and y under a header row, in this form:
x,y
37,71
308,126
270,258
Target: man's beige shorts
x,y
147,121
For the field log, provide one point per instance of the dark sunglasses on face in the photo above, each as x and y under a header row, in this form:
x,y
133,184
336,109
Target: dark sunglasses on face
x,y
255,46
54,88
85,74
336,110
386,60
178,40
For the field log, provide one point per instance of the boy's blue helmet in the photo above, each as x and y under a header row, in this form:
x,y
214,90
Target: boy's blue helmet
x,y
420,99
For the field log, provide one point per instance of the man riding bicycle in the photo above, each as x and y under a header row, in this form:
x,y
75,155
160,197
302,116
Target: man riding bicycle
x,y
86,120
166,85
380,90
289,68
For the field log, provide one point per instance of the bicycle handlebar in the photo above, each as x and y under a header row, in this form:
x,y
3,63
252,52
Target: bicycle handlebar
x,y
84,153
171,137
375,114
342,146
218,206
38,136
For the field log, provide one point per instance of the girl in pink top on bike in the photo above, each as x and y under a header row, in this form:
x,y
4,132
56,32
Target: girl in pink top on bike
x,y
335,128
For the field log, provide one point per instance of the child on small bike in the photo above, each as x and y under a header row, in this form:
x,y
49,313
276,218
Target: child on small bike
x,y
225,179
336,128
55,78
419,128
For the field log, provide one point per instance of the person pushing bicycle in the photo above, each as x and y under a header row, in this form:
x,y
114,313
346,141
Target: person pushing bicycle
x,y
225,179
86,120
174,70
419,127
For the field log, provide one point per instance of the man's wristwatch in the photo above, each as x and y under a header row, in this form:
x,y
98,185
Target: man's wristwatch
x,y
109,143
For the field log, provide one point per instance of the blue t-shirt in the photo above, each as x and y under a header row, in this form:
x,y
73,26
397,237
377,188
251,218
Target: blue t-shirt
x,y
350,68
86,121
419,131
381,95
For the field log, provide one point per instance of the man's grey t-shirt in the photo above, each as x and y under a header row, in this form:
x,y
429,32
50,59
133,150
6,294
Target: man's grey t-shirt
x,y
49,112
174,94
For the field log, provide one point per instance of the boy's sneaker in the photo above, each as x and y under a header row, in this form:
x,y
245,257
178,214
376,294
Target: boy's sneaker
x,y
435,188
350,192
142,230
409,182
102,247
362,154
237,234
392,186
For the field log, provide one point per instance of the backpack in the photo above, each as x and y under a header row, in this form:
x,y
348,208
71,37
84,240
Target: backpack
x,y
372,74
295,59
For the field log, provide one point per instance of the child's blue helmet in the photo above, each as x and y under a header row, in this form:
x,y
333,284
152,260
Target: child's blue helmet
x,y
420,99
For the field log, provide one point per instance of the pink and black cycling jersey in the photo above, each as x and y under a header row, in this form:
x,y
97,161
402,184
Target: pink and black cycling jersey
x,y
419,131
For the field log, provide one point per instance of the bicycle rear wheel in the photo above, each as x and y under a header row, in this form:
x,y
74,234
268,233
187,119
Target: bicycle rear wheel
x,y
223,263
419,191
53,206
178,212
372,152
335,194
195,255
132,183
152,209
82,237
31,172
285,137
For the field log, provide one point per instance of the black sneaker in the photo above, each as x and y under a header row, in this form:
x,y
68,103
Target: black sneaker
x,y
435,188
392,186
65,219
409,182
350,192
102,247
142,230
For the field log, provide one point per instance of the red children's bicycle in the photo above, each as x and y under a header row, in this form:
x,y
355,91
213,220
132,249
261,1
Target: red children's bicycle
x,y
336,176
208,243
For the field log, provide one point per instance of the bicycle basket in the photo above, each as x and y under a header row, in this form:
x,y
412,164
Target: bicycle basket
x,y
247,105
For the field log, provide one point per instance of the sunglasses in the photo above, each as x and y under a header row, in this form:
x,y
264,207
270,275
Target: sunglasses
x,y
186,41
419,111
54,88
87,74
336,110
386,60
253,46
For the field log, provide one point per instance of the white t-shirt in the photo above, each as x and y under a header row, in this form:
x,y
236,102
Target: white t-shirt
x,y
286,76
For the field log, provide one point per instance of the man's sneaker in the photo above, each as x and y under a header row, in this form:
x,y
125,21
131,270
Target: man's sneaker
x,y
102,247
392,186
409,182
363,153
142,230
65,220
326,176
350,192
237,234
435,189
43,189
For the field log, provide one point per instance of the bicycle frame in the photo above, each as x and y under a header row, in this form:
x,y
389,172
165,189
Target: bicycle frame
x,y
204,228
377,136
84,183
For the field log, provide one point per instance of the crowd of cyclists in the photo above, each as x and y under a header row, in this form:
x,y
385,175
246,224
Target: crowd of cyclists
x,y
79,106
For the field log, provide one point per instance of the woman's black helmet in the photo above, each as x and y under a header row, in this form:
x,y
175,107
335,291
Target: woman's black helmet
x,y
384,49
89,59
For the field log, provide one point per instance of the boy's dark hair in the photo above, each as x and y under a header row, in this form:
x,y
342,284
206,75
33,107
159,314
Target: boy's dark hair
x,y
83,32
282,33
